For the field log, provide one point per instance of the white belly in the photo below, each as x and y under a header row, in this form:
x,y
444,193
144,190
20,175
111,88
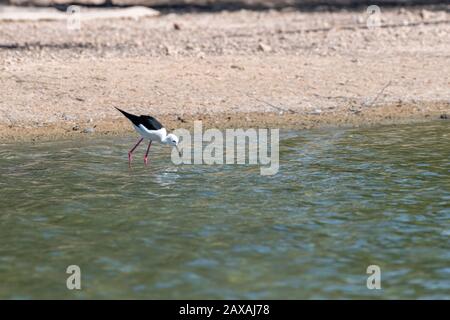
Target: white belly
x,y
154,135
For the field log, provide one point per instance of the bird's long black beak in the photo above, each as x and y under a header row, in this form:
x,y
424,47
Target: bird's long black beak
x,y
179,152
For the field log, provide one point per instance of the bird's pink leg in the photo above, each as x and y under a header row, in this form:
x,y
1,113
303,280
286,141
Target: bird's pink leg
x,y
146,154
130,153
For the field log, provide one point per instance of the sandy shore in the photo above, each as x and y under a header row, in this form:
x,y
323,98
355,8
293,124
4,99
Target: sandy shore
x,y
230,69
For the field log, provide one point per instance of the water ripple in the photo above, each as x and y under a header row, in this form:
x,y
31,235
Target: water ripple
x,y
343,200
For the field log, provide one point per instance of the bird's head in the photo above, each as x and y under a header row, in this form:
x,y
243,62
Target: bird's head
x,y
172,140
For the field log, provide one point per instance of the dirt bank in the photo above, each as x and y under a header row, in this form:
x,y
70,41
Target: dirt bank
x,y
265,68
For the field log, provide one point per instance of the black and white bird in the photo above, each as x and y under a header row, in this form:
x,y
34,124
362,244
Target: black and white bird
x,y
151,129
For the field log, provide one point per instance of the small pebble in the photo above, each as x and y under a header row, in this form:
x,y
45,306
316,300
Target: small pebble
x,y
264,47
426,15
88,130
233,66
170,51
67,117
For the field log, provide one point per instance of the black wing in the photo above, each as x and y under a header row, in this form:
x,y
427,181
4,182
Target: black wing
x,y
150,123
133,118
147,121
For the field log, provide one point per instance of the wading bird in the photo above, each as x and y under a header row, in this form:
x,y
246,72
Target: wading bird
x,y
151,129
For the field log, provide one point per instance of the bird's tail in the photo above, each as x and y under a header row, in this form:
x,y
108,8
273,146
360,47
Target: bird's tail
x,y
133,118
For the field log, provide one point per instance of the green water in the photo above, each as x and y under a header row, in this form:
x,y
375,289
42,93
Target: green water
x,y
342,200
